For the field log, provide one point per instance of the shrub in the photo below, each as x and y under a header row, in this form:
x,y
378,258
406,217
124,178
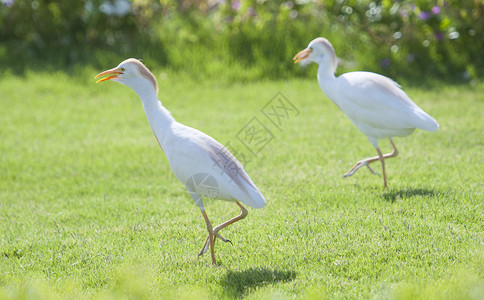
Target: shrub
x,y
248,38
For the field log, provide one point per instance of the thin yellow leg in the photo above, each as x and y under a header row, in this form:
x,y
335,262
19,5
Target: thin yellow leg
x,y
210,236
381,157
243,214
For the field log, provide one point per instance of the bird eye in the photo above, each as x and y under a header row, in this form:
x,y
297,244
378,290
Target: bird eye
x,y
123,69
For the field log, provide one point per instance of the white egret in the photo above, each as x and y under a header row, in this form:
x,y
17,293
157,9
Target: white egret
x,y
374,103
202,164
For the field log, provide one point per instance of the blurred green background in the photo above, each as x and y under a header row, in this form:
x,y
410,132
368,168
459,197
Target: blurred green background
x,y
246,39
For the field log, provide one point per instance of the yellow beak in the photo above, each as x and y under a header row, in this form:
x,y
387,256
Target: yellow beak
x,y
113,72
302,55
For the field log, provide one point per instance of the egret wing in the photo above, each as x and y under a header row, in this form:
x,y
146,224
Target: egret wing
x,y
377,101
198,153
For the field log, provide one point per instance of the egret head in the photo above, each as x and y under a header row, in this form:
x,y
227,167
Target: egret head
x,y
319,51
132,73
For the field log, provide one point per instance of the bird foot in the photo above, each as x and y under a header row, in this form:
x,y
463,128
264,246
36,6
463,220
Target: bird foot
x,y
357,166
222,238
206,245
371,170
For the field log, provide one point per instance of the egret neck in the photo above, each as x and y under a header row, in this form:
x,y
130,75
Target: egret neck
x,y
160,118
327,68
326,77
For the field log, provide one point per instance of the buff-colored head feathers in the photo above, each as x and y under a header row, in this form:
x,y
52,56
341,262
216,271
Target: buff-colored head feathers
x,y
144,71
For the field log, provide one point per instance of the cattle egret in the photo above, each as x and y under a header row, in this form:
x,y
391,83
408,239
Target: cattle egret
x,y
203,165
374,103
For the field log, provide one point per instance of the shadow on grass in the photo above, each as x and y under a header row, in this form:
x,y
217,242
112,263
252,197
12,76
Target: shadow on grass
x,y
238,283
394,195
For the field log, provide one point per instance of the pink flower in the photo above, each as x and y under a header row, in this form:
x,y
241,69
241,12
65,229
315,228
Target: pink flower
x,y
235,5
435,10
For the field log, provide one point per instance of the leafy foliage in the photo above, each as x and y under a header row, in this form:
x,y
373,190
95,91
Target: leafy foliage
x,y
257,38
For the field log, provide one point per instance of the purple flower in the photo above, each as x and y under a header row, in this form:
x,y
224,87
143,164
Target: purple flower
x,y
235,5
8,3
385,63
439,36
424,15
435,10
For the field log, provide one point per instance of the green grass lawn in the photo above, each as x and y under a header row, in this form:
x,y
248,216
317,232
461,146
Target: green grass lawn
x,y
90,208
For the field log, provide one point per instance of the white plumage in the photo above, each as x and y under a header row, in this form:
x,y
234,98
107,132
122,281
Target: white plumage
x,y
204,165
374,103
